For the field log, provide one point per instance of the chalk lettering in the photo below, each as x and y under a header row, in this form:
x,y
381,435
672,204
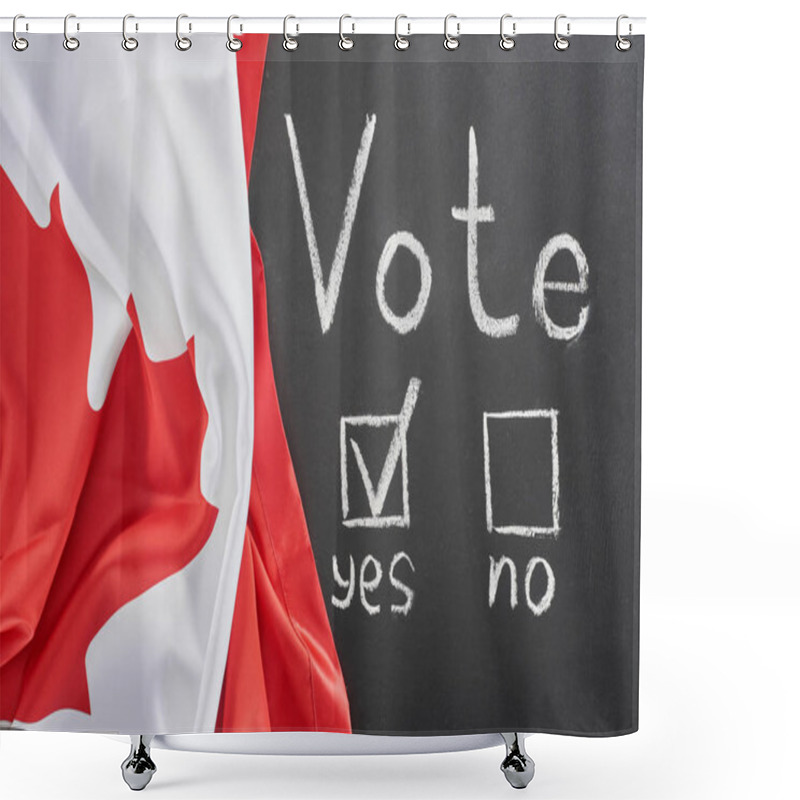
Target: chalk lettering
x,y
472,215
411,319
547,598
369,578
349,584
398,584
496,569
371,584
561,242
328,296
495,573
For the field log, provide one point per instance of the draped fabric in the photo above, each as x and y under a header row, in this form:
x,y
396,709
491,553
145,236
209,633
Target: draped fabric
x,y
138,591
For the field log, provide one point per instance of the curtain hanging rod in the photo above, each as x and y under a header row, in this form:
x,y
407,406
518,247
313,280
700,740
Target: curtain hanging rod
x,y
353,24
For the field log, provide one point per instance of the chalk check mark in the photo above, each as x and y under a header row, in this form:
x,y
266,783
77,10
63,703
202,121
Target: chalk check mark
x,y
377,493
376,496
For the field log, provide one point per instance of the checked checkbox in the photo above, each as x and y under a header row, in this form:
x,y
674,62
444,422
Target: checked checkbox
x,y
377,492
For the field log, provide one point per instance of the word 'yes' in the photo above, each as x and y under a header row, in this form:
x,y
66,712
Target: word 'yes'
x,y
369,583
327,295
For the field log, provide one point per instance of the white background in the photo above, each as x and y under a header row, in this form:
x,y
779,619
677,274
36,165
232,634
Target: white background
x,y
720,607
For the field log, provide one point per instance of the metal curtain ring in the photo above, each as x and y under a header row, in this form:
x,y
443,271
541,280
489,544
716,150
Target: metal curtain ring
x,y
129,43
401,42
233,44
18,43
507,42
451,42
560,42
289,42
70,42
182,42
345,42
623,44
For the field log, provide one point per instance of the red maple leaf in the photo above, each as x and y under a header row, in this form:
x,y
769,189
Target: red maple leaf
x,y
95,506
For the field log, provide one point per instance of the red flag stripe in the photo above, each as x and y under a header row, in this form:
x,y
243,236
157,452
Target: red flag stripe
x,y
283,671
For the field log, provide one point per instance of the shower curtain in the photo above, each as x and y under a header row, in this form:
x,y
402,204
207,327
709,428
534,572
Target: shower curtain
x,y
320,385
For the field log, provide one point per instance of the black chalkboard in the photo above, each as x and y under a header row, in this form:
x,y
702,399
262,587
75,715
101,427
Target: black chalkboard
x,y
431,387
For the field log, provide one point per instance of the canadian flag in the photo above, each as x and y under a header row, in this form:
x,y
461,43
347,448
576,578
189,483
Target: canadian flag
x,y
156,574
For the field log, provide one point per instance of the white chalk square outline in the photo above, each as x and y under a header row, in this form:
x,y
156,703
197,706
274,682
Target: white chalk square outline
x,y
522,530
366,420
